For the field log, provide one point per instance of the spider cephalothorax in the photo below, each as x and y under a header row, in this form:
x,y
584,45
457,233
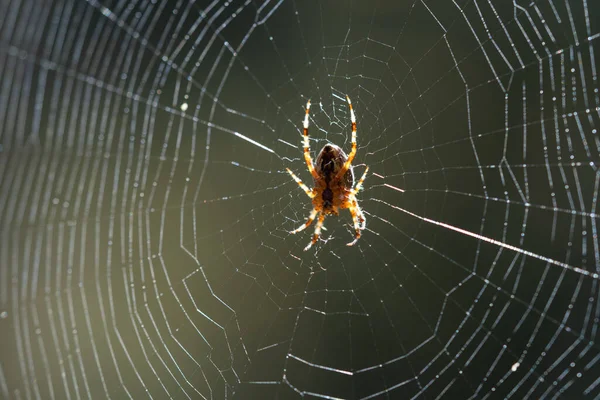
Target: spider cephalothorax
x,y
333,182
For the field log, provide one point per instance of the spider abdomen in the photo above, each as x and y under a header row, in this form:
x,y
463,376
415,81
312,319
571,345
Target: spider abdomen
x,y
330,160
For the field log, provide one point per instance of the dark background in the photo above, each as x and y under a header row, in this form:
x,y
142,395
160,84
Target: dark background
x,y
145,248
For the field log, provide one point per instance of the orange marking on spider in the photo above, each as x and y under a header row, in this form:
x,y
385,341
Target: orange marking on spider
x,y
334,186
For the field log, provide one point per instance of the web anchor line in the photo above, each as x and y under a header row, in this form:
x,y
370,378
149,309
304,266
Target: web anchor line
x,y
496,242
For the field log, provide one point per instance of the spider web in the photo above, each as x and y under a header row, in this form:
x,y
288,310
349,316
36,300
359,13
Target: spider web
x,y
145,207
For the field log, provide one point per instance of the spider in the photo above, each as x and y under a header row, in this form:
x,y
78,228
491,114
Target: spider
x,y
333,178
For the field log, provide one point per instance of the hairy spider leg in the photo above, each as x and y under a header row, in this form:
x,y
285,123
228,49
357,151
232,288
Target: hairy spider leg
x,y
361,217
309,162
308,191
317,232
358,186
355,210
348,162
311,218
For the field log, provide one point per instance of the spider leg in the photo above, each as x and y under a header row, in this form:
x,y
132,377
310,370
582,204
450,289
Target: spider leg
x,y
358,186
308,191
317,232
348,162
361,218
309,221
309,162
359,221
